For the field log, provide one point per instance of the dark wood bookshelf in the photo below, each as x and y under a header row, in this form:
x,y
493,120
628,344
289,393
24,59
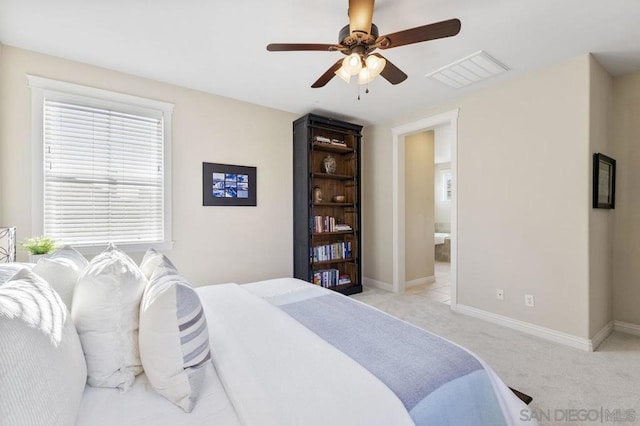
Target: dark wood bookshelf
x,y
309,157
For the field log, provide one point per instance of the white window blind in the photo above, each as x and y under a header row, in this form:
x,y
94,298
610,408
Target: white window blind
x,y
103,174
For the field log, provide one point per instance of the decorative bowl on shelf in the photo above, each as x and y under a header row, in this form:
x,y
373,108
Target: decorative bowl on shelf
x,y
338,198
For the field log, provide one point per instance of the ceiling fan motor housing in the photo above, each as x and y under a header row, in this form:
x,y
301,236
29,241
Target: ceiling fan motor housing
x,y
357,42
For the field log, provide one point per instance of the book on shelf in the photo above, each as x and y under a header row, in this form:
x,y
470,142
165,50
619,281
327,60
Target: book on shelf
x,y
342,227
328,224
338,142
330,278
344,279
321,139
323,224
328,252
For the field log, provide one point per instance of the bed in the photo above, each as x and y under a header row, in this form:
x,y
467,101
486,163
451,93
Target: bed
x,y
285,352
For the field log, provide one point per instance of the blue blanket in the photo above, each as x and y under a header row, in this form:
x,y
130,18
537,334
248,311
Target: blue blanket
x,y
438,382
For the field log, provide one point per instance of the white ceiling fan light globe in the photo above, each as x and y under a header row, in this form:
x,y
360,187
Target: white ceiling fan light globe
x,y
352,64
343,74
365,76
375,65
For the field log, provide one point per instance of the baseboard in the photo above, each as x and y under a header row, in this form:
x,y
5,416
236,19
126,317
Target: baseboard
x,y
370,282
535,330
601,335
625,327
420,281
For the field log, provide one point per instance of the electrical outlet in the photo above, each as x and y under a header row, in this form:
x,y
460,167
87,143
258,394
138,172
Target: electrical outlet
x,y
500,294
529,300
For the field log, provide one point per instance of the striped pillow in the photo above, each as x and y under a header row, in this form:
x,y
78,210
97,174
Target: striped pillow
x,y
153,260
174,339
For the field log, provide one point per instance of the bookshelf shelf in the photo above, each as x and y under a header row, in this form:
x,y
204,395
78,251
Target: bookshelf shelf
x,y
326,147
332,176
314,220
334,204
328,234
329,262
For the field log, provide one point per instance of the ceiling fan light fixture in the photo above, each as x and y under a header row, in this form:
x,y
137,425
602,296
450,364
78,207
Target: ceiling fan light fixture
x,y
365,76
343,74
375,65
352,64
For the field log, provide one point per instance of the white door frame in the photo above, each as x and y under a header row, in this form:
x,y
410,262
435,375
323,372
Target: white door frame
x,y
399,133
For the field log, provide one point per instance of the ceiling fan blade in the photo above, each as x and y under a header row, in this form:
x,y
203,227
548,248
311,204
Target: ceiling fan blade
x,y
424,33
287,47
393,74
327,76
360,15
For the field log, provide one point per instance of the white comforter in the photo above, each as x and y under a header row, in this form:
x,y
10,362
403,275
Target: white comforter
x,y
295,378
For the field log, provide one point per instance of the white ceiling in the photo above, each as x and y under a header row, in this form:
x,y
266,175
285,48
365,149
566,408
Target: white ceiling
x,y
219,46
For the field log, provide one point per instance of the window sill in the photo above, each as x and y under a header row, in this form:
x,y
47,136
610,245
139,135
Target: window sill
x,y
93,249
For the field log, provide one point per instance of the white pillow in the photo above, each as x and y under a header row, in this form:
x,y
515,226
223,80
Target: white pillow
x,y
8,270
174,339
42,369
62,270
152,260
105,310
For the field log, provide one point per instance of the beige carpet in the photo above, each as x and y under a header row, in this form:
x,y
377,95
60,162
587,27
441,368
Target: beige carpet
x,y
565,383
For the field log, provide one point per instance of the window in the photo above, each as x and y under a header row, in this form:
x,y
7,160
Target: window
x,y
446,185
101,166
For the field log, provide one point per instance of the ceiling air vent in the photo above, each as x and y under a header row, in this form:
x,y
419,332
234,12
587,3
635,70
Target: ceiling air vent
x,y
472,69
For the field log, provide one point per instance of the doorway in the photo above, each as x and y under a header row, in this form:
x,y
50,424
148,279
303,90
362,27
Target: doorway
x,y
448,120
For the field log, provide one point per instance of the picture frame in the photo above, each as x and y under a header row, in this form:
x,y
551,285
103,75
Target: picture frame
x,y
228,185
604,182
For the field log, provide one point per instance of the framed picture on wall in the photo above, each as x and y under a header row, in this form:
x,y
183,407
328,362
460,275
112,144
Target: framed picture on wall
x,y
228,185
604,182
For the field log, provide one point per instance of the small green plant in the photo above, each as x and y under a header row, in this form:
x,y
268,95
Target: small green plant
x,y
39,245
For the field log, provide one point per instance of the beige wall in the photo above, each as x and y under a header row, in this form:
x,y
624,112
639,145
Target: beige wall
x,y
600,221
522,199
419,206
377,196
212,244
626,258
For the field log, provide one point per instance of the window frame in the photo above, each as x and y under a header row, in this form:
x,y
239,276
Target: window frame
x,y
42,88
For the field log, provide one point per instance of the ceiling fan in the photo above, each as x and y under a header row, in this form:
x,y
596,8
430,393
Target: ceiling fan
x,y
360,39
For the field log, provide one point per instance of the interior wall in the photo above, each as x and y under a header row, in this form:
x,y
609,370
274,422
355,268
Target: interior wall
x,y
442,206
419,207
212,244
626,268
522,203
600,221
377,196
